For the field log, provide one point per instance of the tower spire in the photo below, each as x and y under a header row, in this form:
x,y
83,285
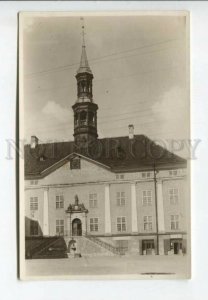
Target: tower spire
x,y
84,65
85,110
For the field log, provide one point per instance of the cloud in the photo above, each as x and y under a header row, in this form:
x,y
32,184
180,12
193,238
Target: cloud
x,y
171,112
58,112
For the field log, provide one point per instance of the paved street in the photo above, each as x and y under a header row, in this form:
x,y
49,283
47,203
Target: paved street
x,y
117,267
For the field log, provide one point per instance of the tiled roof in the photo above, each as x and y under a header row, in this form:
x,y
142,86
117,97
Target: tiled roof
x,y
119,154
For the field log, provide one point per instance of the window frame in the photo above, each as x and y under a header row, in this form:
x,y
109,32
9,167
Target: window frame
x,y
145,198
145,175
148,223
120,200
174,222
34,182
60,227
94,224
34,204
120,176
93,202
171,172
173,198
121,225
60,201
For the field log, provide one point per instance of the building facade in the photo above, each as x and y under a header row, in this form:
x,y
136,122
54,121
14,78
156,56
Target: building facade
x,y
128,192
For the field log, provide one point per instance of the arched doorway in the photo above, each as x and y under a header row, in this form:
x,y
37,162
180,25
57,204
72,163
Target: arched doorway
x,y
71,246
76,227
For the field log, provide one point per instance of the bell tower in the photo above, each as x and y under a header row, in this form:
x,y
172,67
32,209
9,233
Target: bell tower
x,y
85,110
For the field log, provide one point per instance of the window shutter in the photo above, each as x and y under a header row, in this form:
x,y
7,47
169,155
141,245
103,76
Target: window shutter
x,y
166,246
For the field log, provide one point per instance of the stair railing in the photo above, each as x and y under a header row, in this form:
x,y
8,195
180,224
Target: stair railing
x,y
109,247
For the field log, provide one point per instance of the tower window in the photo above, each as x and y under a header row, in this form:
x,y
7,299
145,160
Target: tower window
x,y
82,86
76,119
83,118
91,118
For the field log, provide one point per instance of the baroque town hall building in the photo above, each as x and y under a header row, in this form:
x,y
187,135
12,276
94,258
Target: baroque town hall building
x,y
117,194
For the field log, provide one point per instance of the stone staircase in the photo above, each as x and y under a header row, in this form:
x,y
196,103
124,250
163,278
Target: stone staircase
x,y
88,245
104,244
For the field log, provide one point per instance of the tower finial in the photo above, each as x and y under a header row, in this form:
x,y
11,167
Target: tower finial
x,y
84,66
83,32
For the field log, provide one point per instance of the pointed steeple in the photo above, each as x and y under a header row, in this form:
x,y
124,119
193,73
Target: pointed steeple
x,y
84,65
85,110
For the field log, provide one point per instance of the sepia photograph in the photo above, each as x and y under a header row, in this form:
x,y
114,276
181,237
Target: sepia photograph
x,y
104,115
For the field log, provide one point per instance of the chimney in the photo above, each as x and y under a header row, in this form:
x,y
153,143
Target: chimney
x,y
34,141
131,131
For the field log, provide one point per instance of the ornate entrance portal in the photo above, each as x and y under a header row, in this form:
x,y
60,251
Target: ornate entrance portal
x,y
76,218
76,227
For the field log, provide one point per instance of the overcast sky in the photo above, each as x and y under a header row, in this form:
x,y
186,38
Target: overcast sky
x,y
139,68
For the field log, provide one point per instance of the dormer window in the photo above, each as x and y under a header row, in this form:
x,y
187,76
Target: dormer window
x,y
75,163
42,158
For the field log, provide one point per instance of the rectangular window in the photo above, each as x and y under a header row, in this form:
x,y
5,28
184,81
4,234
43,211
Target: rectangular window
x,y
92,200
33,182
33,227
122,245
59,201
173,172
59,227
33,203
174,223
173,196
93,224
119,176
121,224
147,198
120,198
147,223
146,175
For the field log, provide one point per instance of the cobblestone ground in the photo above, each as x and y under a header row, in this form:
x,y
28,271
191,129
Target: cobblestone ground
x,y
123,267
